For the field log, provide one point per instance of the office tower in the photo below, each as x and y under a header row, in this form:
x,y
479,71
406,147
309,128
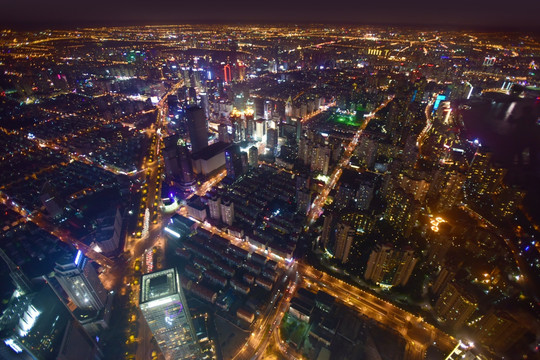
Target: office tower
x,y
233,162
253,156
214,205
271,139
260,129
344,238
178,166
204,104
39,326
390,266
401,210
245,161
227,211
455,306
499,330
288,107
165,310
80,281
19,279
197,128
223,134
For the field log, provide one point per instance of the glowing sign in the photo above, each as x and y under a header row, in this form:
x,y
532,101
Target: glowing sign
x,y
436,222
149,261
78,257
438,101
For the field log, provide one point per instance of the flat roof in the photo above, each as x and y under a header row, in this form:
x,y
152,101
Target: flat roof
x,y
210,151
158,285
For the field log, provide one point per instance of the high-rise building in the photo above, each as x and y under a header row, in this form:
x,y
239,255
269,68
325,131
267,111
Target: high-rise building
x,y
390,266
177,160
214,205
499,330
445,276
197,128
482,178
328,227
401,210
233,162
303,200
39,326
320,158
223,134
165,309
253,156
455,306
271,139
227,211
344,238
19,279
80,281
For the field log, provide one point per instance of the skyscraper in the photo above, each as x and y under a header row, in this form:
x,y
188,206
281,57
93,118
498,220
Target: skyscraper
x,y
164,308
177,159
197,128
21,282
233,162
80,281
39,326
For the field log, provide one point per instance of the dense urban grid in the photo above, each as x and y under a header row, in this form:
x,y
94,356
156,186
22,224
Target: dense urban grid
x,y
269,192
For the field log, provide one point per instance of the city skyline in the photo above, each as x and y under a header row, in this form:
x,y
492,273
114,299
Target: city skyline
x,y
490,15
242,192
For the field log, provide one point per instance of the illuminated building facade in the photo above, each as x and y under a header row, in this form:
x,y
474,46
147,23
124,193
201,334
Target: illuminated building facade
x,y
227,211
227,74
344,238
402,210
164,308
389,266
454,307
39,326
482,178
80,281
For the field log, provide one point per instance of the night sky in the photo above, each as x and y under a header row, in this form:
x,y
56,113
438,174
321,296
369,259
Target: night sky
x,y
518,14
